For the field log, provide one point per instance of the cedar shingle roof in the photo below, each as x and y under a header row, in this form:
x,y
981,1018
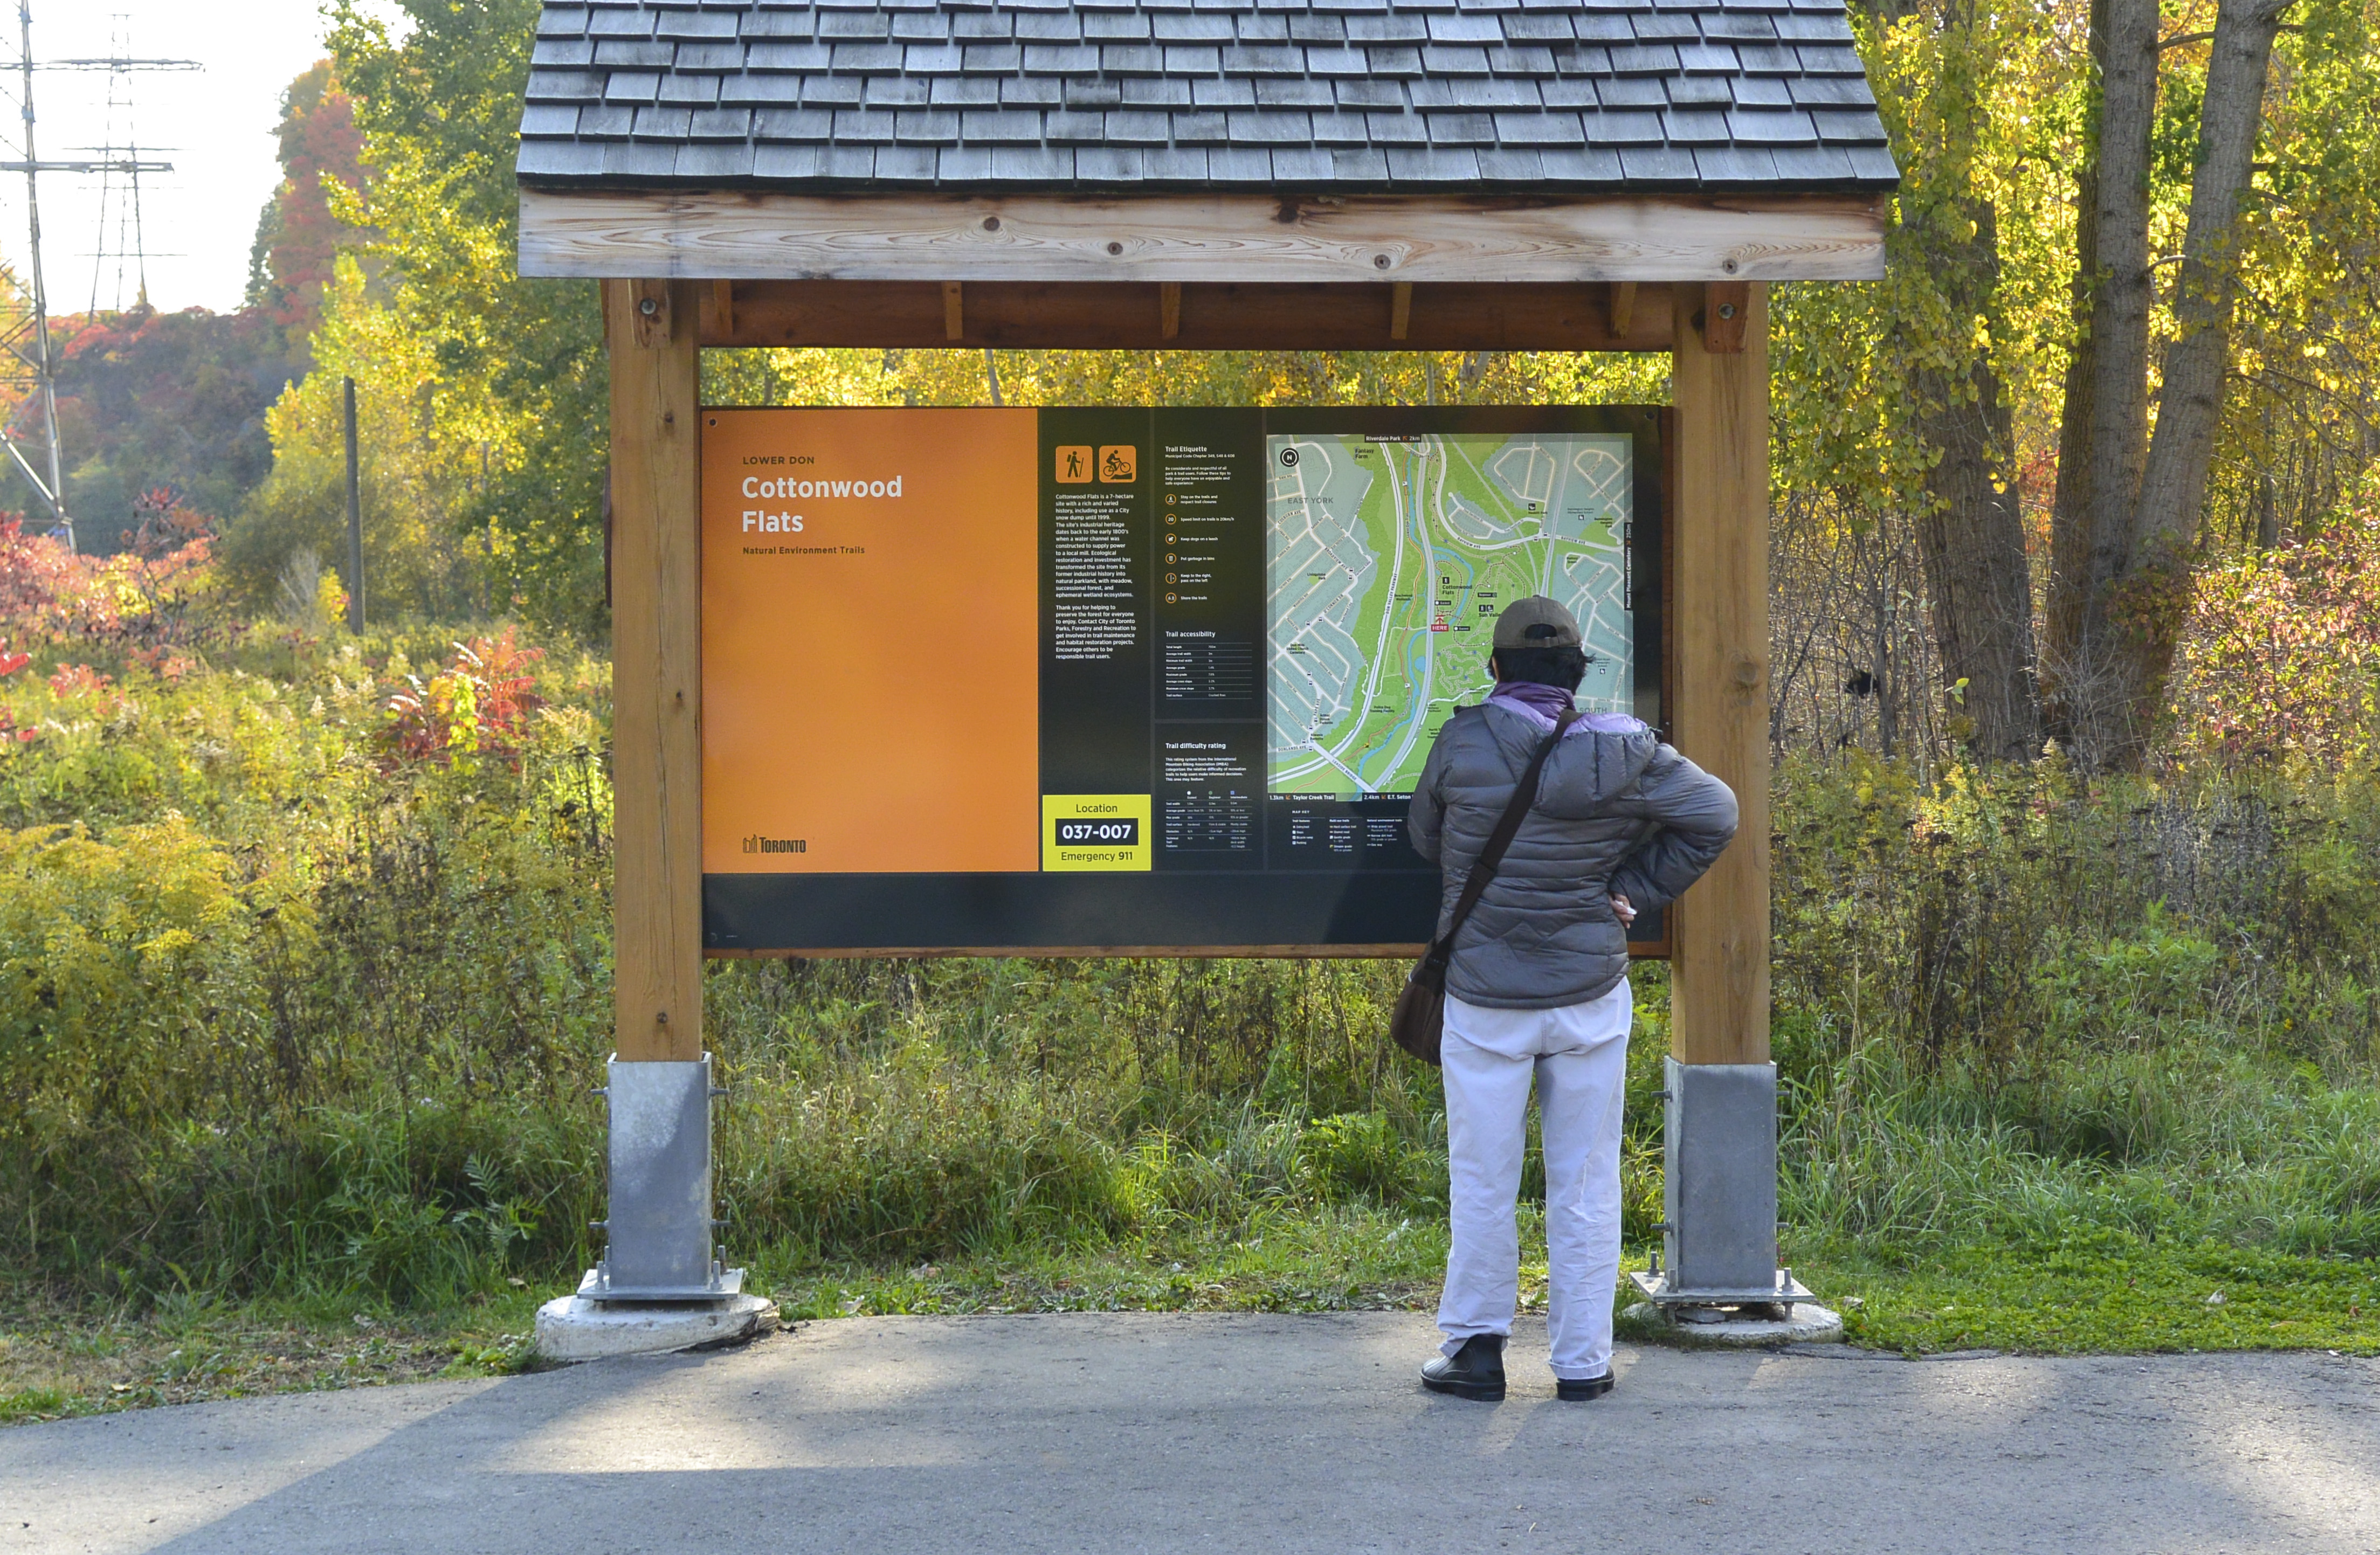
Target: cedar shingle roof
x,y
1322,95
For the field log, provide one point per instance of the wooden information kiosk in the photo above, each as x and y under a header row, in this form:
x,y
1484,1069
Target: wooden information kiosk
x,y
1135,175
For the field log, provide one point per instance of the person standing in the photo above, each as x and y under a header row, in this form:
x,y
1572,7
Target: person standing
x,y
1536,988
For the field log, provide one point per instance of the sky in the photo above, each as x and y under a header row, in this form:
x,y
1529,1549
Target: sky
x,y
198,221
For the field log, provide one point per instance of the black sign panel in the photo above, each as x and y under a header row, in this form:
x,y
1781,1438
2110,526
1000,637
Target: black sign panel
x,y
1251,625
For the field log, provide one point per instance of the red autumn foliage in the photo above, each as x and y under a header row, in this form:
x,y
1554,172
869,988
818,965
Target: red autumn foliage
x,y
35,572
81,683
167,523
477,706
318,138
163,661
49,592
11,662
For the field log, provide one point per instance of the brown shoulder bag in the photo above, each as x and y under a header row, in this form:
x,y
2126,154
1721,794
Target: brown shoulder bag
x,y
1418,1022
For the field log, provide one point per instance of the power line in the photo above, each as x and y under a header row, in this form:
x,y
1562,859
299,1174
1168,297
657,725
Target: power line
x,y
113,62
100,164
47,384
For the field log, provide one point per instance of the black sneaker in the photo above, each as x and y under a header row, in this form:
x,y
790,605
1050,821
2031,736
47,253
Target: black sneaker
x,y
1475,1371
1581,1389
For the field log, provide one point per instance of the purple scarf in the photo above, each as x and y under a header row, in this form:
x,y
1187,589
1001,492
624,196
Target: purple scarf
x,y
1546,703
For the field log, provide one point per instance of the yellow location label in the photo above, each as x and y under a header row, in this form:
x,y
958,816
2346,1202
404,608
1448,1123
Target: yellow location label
x,y
1095,831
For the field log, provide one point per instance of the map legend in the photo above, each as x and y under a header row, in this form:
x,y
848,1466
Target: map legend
x,y
1211,553
1200,668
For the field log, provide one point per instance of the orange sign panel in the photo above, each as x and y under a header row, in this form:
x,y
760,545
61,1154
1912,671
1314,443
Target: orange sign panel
x,y
870,627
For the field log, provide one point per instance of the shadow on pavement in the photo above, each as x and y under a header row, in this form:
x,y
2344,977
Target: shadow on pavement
x,y
1146,1431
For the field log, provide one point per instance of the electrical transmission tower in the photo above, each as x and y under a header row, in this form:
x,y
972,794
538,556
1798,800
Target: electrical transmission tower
x,y
42,359
120,166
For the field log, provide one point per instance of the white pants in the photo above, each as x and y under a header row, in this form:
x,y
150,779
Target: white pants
x,y
1578,1056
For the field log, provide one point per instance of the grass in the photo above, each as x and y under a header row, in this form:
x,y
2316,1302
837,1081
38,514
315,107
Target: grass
x,y
291,1030
59,1361
2102,1295
1329,1261
2106,1295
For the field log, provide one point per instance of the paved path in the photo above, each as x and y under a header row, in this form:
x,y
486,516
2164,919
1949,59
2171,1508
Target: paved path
x,y
1146,1432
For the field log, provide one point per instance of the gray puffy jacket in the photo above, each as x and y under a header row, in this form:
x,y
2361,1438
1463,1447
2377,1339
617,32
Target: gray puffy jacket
x,y
1617,814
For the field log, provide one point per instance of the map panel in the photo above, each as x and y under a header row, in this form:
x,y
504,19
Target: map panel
x,y
1388,559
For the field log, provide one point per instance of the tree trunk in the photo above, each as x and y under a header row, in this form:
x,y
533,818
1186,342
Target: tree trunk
x,y
2149,598
1970,540
2069,516
2113,431
1973,541
2119,340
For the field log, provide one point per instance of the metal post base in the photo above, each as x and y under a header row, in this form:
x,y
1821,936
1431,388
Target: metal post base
x,y
659,1246
1657,1286
1720,1187
1788,1314
597,1284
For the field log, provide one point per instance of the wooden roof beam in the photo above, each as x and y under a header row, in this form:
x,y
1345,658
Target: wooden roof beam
x,y
1187,316
749,235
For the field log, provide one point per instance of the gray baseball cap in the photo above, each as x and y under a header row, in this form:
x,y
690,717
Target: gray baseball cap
x,y
1536,622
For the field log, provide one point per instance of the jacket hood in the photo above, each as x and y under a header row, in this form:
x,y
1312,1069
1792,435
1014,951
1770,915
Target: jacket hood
x,y
1590,766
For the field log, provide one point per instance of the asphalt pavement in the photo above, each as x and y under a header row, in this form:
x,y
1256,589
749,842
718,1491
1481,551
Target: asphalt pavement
x,y
1133,1432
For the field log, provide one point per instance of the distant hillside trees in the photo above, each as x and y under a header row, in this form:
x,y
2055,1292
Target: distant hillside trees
x,y
175,402
150,401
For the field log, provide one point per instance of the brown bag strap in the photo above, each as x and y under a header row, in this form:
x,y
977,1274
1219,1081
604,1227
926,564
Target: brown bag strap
x,y
1508,826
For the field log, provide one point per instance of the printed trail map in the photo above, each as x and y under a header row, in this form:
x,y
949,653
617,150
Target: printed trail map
x,y
1388,559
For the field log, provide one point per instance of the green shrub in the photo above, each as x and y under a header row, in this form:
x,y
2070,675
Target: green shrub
x,y
2122,990
1361,1154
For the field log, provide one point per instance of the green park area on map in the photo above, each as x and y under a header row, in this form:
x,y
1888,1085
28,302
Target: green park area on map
x,y
1387,560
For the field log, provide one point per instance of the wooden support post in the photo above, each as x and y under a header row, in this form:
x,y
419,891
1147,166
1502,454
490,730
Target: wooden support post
x,y
953,311
656,669
1169,309
1719,708
1399,310
1624,306
722,305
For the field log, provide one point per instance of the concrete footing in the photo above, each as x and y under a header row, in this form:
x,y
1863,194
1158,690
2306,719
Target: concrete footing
x,y
572,1328
1731,1328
